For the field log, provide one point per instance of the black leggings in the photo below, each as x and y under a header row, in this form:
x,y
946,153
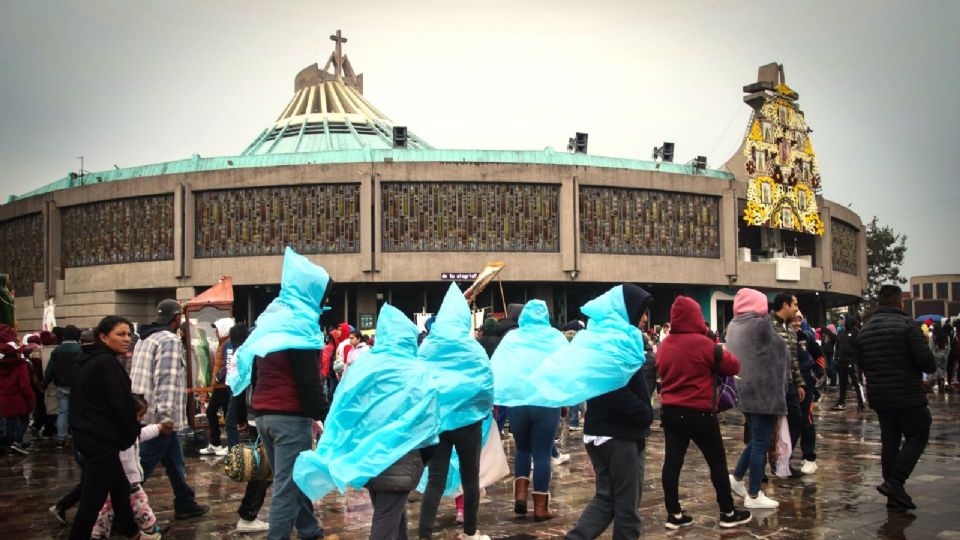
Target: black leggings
x,y
467,440
680,426
219,400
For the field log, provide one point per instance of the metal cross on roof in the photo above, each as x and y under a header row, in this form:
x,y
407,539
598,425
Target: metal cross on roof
x,y
338,53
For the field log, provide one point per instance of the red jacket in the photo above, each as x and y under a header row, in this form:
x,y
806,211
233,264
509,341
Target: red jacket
x,y
685,359
330,350
16,394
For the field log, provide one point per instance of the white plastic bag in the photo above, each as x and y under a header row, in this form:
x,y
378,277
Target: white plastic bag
x,y
782,449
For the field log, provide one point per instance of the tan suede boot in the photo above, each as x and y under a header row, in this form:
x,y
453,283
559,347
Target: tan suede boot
x,y
521,486
541,507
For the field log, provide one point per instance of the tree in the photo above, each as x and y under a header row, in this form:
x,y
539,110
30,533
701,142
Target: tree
x,y
885,251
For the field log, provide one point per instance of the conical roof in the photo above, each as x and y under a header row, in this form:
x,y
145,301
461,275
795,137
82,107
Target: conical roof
x,y
328,112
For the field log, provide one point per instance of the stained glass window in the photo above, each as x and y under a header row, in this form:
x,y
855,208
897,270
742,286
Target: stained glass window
x,y
466,216
118,231
21,252
321,218
649,222
844,247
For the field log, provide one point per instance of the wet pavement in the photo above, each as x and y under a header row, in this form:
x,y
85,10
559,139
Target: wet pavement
x,y
839,501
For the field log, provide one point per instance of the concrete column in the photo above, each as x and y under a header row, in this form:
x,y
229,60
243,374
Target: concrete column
x,y
189,229
186,293
368,221
569,216
53,240
366,302
545,293
824,251
178,226
729,225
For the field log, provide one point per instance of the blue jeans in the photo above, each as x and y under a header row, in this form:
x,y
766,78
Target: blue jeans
x,y
166,450
574,417
284,437
533,431
63,411
755,453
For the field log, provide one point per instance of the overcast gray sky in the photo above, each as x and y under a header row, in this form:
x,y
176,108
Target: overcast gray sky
x,y
133,82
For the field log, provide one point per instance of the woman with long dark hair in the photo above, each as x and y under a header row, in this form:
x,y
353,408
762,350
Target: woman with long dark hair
x,y
103,417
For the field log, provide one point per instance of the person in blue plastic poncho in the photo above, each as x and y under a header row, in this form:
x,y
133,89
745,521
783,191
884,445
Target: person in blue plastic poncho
x,y
284,352
618,421
382,424
460,368
519,354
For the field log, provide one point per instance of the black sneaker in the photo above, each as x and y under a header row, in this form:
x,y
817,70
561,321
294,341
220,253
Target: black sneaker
x,y
61,445
839,407
192,511
674,522
19,448
897,494
734,518
59,513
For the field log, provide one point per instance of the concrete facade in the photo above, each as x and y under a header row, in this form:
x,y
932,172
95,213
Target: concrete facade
x,y
85,294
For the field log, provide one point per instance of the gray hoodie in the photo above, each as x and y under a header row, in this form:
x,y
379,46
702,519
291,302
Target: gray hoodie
x,y
765,364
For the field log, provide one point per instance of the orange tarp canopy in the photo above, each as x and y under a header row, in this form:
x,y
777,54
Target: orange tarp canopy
x,y
219,294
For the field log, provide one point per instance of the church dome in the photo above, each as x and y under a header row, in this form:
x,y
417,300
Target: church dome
x,y
328,112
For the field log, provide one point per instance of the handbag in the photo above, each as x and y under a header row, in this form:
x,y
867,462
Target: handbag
x,y
725,389
246,462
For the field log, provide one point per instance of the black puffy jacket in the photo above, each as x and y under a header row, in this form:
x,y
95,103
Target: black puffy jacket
x,y
403,475
892,352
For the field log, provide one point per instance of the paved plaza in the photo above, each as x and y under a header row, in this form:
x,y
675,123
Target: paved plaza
x,y
840,501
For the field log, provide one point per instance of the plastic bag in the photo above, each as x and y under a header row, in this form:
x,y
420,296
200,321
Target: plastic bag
x,y
520,354
291,321
600,359
458,364
385,406
781,448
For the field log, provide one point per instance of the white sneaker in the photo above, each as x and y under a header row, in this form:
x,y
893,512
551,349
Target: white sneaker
x,y
252,526
210,449
475,536
808,467
561,459
221,450
737,487
761,501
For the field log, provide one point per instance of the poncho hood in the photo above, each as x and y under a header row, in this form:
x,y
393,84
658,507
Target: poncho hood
x,y
521,353
291,321
458,364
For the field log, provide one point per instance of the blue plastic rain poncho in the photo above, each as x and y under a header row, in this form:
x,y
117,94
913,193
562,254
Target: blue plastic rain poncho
x,y
458,364
291,321
385,406
600,359
519,355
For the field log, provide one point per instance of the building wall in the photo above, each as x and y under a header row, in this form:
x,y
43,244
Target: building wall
x,y
560,224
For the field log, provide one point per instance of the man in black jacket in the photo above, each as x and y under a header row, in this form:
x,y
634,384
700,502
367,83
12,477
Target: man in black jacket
x,y
615,430
892,353
845,358
60,372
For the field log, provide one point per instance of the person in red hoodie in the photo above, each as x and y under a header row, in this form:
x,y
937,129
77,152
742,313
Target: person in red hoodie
x,y
16,396
685,362
337,336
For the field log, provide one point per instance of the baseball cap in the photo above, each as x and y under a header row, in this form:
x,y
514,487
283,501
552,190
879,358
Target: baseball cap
x,y
167,310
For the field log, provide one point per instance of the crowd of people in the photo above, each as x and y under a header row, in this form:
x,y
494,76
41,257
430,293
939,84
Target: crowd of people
x,y
421,412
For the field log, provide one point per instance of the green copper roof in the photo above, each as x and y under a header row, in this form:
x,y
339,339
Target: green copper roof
x,y
370,155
